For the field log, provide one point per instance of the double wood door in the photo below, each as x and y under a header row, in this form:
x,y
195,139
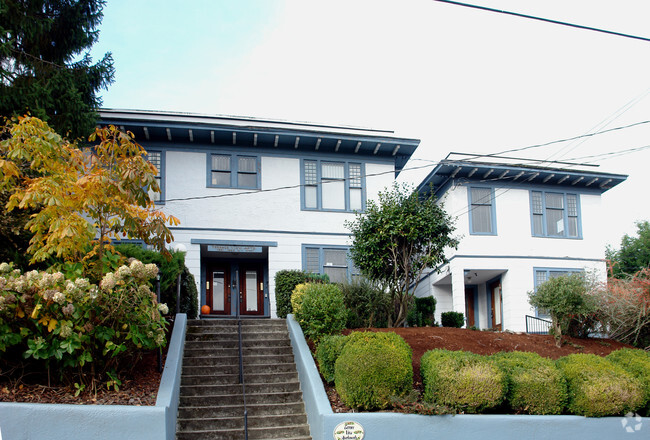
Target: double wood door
x,y
232,288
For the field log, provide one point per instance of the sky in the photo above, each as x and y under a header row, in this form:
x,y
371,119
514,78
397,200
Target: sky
x,y
458,79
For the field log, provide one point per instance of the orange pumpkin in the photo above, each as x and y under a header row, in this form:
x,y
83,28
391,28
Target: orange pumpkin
x,y
205,310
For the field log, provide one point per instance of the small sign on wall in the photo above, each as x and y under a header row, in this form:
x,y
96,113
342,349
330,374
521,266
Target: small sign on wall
x,y
349,431
237,249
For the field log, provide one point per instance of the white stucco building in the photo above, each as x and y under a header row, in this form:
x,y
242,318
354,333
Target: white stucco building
x,y
518,225
256,196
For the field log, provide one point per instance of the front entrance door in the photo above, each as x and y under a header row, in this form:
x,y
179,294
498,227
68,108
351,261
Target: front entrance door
x,y
495,304
251,290
218,290
469,306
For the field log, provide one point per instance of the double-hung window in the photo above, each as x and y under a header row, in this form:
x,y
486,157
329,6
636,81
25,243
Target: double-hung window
x,y
542,275
156,159
482,213
555,214
234,171
332,186
332,261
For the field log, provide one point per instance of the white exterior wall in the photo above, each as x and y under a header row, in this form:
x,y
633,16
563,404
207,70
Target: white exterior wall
x,y
273,216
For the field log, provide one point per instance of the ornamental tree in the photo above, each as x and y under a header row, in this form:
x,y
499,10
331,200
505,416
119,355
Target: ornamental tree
x,y
80,195
634,253
396,239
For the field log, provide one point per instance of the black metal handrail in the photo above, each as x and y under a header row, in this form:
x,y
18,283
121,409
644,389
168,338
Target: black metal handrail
x,y
537,326
241,379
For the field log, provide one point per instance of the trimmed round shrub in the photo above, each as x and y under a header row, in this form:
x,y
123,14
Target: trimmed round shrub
x,y
598,387
534,384
452,319
321,311
637,363
461,380
327,353
372,368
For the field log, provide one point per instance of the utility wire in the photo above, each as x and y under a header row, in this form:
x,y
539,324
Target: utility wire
x,y
547,20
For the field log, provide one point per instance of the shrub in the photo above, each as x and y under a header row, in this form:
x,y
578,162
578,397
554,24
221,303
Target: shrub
x,y
372,368
322,311
637,363
285,282
452,319
76,327
461,380
296,297
421,313
598,387
367,304
327,353
534,384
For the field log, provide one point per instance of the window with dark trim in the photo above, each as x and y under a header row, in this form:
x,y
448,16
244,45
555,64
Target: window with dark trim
x,y
333,261
333,185
234,171
482,213
555,214
156,159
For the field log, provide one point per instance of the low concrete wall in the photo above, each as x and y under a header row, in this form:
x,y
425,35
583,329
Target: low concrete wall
x,y
390,426
30,421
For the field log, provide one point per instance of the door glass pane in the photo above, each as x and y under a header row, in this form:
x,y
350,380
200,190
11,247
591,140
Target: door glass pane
x,y
251,291
218,291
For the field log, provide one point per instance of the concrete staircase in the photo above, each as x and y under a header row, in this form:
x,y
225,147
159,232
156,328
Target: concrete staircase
x,y
211,401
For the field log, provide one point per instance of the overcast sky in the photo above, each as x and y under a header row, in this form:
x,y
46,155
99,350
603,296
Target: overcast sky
x,y
459,79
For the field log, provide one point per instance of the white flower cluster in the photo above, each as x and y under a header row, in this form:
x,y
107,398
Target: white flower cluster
x,y
162,308
5,268
108,282
137,268
150,270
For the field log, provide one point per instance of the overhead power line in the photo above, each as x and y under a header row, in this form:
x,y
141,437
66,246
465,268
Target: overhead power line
x,y
547,20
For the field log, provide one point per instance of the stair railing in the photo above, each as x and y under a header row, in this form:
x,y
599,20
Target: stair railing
x,y
241,379
537,326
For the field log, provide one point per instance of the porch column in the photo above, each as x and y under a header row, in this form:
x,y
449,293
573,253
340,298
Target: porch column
x,y
458,288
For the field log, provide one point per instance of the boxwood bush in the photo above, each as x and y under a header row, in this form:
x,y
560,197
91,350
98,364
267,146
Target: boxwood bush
x,y
452,319
637,363
534,384
461,380
321,311
372,368
327,353
598,387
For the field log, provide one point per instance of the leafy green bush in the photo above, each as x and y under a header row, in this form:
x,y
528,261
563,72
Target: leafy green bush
x,y
78,328
461,380
534,384
421,313
452,319
598,387
285,282
367,304
327,353
372,368
637,363
296,297
322,311
169,271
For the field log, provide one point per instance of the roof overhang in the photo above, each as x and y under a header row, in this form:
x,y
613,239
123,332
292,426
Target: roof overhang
x,y
195,129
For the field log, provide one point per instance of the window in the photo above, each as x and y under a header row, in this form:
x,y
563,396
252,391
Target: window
x,y
555,214
482,214
542,275
332,186
233,171
330,260
156,159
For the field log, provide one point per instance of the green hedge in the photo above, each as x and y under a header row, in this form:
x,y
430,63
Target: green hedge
x,y
598,387
372,368
534,384
322,311
461,380
421,313
367,304
452,319
637,363
285,282
328,351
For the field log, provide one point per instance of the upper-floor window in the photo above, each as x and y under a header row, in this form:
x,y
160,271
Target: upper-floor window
x,y
330,260
156,159
482,213
335,186
555,214
234,171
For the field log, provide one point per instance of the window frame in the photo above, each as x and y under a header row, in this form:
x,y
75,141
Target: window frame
x,y
493,213
548,271
565,214
234,170
161,173
318,185
351,270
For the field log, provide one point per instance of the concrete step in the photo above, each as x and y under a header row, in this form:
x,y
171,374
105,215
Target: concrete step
x,y
237,410
237,422
207,361
226,369
250,378
284,433
246,351
234,343
236,399
207,334
251,389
